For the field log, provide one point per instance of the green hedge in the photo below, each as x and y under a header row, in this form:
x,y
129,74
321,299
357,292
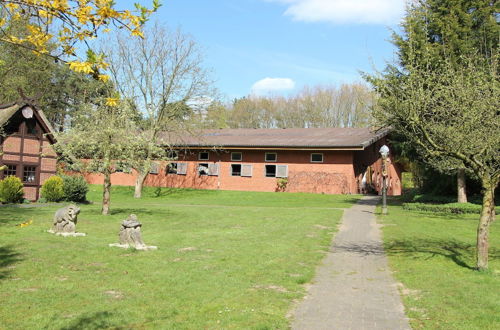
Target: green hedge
x,y
455,208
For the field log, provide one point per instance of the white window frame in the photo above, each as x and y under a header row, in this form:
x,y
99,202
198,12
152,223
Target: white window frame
x,y
203,152
271,153
236,160
317,153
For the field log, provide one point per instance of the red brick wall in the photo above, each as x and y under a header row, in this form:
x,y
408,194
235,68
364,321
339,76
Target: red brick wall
x,y
335,175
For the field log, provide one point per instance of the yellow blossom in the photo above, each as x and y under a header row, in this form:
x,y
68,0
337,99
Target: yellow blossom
x,y
111,101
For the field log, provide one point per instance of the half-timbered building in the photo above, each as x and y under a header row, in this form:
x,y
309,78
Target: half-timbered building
x,y
26,138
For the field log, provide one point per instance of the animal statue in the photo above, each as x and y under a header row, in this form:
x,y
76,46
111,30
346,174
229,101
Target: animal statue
x,y
65,219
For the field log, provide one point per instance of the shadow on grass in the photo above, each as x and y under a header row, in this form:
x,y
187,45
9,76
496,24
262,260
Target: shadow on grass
x,y
460,253
99,320
141,211
8,257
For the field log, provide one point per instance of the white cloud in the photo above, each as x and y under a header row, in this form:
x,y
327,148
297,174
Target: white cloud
x,y
345,11
272,85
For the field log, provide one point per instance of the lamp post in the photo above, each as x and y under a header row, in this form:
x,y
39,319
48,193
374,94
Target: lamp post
x,y
384,152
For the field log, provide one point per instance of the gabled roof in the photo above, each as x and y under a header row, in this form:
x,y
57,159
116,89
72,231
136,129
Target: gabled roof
x,y
288,138
9,110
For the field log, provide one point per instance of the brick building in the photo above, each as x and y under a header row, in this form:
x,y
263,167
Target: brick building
x,y
318,160
26,143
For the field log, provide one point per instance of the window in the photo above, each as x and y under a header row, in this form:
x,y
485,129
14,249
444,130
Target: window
x,y
276,171
154,168
182,168
10,170
29,174
271,157
171,168
271,171
316,158
172,154
203,155
31,128
236,157
203,169
235,169
246,170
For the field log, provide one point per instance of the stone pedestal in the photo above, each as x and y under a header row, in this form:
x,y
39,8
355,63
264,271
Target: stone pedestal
x,y
130,235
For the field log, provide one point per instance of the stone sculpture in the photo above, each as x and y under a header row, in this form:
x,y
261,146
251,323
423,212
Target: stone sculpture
x,y
65,220
130,235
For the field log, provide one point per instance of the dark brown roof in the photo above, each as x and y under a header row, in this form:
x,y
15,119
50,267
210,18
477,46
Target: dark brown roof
x,y
8,110
341,138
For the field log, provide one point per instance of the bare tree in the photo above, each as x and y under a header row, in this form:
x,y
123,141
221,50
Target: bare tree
x,y
158,76
318,106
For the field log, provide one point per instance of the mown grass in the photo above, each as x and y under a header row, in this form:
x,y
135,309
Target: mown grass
x,y
433,256
225,260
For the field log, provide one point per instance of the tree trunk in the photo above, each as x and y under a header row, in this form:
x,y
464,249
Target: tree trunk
x,y
462,195
139,183
487,216
106,194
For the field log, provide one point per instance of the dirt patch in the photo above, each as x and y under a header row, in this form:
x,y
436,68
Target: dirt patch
x,y
187,249
321,227
114,294
415,294
271,287
29,289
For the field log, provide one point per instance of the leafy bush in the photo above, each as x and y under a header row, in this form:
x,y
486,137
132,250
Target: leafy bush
x,y
11,190
41,200
75,188
455,208
52,189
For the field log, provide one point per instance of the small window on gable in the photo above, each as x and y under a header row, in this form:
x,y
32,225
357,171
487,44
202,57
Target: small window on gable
x,y
10,170
29,174
317,158
235,169
31,127
203,155
271,157
236,157
171,168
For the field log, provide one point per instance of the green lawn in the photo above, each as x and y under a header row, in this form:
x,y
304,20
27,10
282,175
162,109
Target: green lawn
x,y
225,260
433,257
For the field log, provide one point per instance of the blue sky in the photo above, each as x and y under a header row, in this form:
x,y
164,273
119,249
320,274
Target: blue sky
x,y
292,43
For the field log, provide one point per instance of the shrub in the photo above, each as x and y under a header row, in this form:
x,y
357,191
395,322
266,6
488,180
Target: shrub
x,y
11,190
52,189
455,208
75,188
41,200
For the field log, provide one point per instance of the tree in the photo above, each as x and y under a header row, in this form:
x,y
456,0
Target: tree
x,y
68,23
448,29
102,137
59,90
449,113
158,76
319,106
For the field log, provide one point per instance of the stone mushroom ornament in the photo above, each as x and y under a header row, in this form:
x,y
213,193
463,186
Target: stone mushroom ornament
x,y
65,220
130,235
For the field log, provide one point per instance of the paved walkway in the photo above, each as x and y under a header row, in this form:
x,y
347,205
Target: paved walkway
x,y
353,288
